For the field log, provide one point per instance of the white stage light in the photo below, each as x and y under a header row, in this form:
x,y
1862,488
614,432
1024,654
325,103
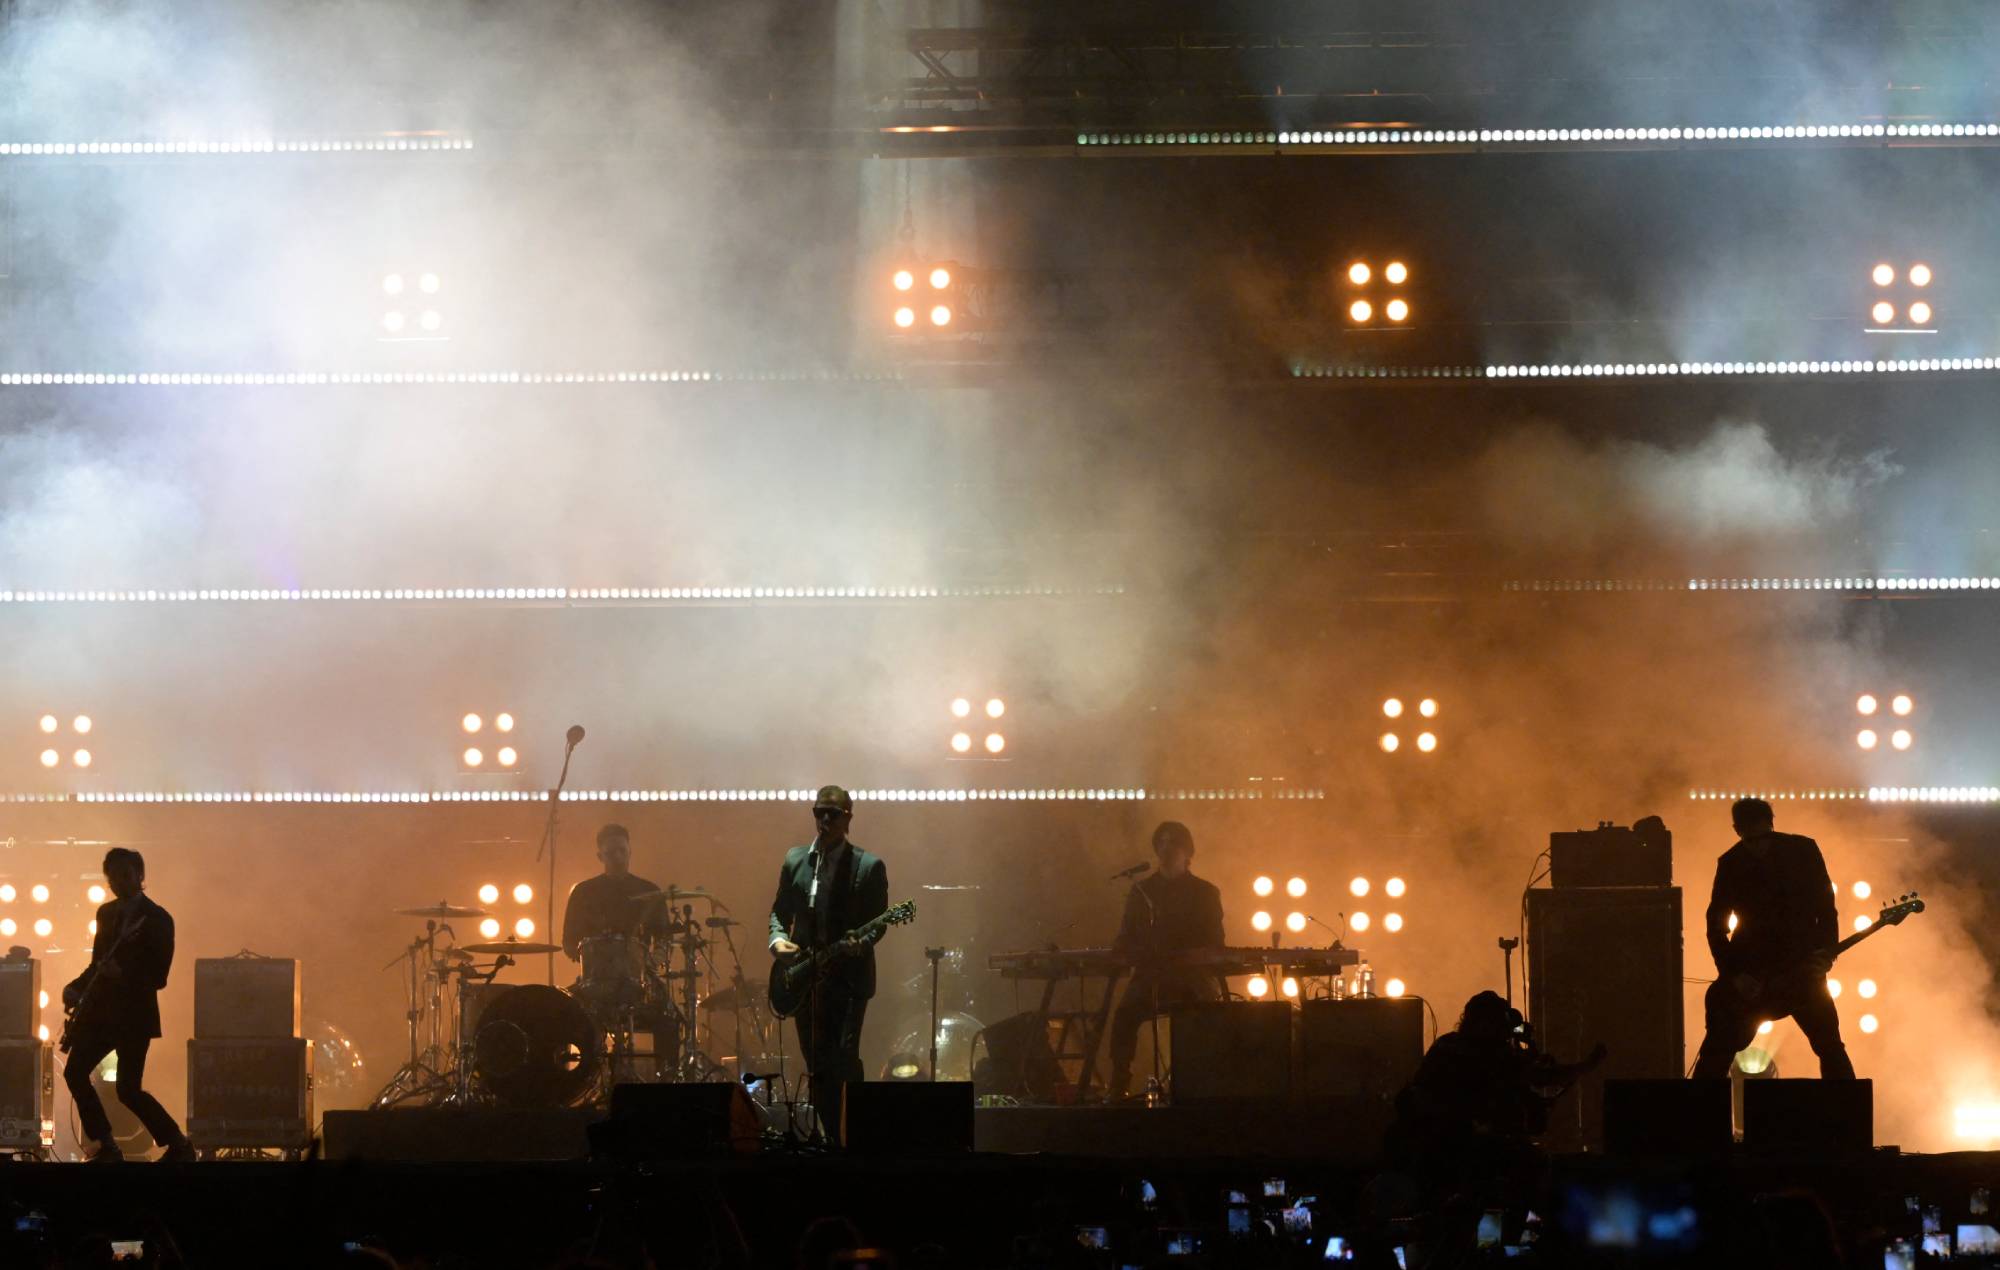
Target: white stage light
x,y
1262,886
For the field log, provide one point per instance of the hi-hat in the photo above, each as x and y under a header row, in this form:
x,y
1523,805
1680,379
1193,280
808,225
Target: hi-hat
x,y
512,946
442,909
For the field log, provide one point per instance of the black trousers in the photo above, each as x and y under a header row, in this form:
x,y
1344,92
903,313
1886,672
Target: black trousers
x,y
84,1056
1731,1022
1146,997
830,1039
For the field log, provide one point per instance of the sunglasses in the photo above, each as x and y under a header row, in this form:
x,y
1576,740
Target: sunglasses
x,y
828,813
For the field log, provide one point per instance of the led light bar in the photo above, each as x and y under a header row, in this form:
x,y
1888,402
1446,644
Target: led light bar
x,y
1861,585
370,378
1873,794
257,145
1646,370
1668,137
569,595
425,797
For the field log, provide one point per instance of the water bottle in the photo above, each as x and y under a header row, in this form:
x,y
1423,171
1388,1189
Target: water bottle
x,y
1367,980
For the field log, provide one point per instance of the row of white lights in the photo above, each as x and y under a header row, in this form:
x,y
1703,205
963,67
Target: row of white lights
x,y
1301,370
260,595
262,145
1925,583
366,378
689,796
1621,370
1873,794
1542,136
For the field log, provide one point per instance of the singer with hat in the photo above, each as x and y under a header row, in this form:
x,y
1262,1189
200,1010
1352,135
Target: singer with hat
x,y
826,889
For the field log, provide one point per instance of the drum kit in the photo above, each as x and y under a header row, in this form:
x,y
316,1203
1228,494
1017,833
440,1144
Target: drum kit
x,y
651,1005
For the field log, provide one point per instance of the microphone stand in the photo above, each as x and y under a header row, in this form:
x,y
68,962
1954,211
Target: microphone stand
x,y
549,845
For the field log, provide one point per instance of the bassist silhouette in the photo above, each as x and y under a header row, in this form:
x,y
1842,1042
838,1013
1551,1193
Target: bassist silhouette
x,y
1772,929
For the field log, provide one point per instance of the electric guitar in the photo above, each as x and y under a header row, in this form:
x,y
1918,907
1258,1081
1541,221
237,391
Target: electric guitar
x,y
1893,914
794,975
83,1000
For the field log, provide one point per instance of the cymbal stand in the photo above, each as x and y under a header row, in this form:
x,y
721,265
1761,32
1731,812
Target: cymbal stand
x,y
416,1076
936,956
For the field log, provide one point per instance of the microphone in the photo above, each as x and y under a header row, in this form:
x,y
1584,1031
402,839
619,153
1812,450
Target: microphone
x,y
575,736
1132,872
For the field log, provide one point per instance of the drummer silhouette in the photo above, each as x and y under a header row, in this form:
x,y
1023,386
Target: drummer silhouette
x,y
608,903
608,924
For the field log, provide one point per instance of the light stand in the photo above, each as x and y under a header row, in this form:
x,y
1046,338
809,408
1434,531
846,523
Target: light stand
x,y
574,738
1507,947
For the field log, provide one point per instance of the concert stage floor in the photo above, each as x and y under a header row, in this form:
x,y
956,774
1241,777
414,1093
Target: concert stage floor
x,y
973,1210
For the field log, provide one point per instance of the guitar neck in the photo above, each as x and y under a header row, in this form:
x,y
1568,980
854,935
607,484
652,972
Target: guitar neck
x,y
1856,938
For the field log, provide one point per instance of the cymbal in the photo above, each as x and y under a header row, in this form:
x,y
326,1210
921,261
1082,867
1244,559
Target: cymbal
x,y
516,947
673,893
442,909
726,998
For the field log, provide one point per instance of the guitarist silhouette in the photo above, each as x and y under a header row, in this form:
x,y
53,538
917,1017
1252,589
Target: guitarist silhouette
x,y
114,1006
826,889
1771,960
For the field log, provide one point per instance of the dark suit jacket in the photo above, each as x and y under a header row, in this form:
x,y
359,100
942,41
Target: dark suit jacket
x,y
131,1005
1777,886
860,891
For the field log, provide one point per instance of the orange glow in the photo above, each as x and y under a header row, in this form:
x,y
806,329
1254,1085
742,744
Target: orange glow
x,y
1360,310
1359,273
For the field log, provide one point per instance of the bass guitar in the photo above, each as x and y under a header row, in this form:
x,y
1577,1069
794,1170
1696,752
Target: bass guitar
x,y
1892,914
83,996
794,975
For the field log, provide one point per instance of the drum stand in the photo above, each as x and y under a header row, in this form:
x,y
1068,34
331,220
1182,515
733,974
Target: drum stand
x,y
419,1077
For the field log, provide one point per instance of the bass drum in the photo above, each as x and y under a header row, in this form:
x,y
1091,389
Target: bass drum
x,y
536,1047
911,1058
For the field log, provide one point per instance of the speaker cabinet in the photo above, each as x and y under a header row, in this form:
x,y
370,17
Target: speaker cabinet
x,y
27,1097
1674,1118
1364,1048
1019,1060
659,1122
907,1117
20,998
1604,964
244,998
1809,1117
250,1093
1232,1049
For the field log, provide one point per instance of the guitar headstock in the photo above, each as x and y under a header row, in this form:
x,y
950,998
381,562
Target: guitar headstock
x,y
907,911
1899,908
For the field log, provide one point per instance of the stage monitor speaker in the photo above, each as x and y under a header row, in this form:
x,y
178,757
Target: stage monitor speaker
x,y
1809,1117
660,1122
907,1117
1613,855
1362,1048
27,1097
1667,1117
246,998
20,998
1020,1063
1231,1049
1604,964
250,1093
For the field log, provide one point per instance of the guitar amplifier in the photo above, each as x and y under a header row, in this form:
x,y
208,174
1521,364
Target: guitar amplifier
x,y
250,1093
1613,855
27,1096
20,998
245,997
